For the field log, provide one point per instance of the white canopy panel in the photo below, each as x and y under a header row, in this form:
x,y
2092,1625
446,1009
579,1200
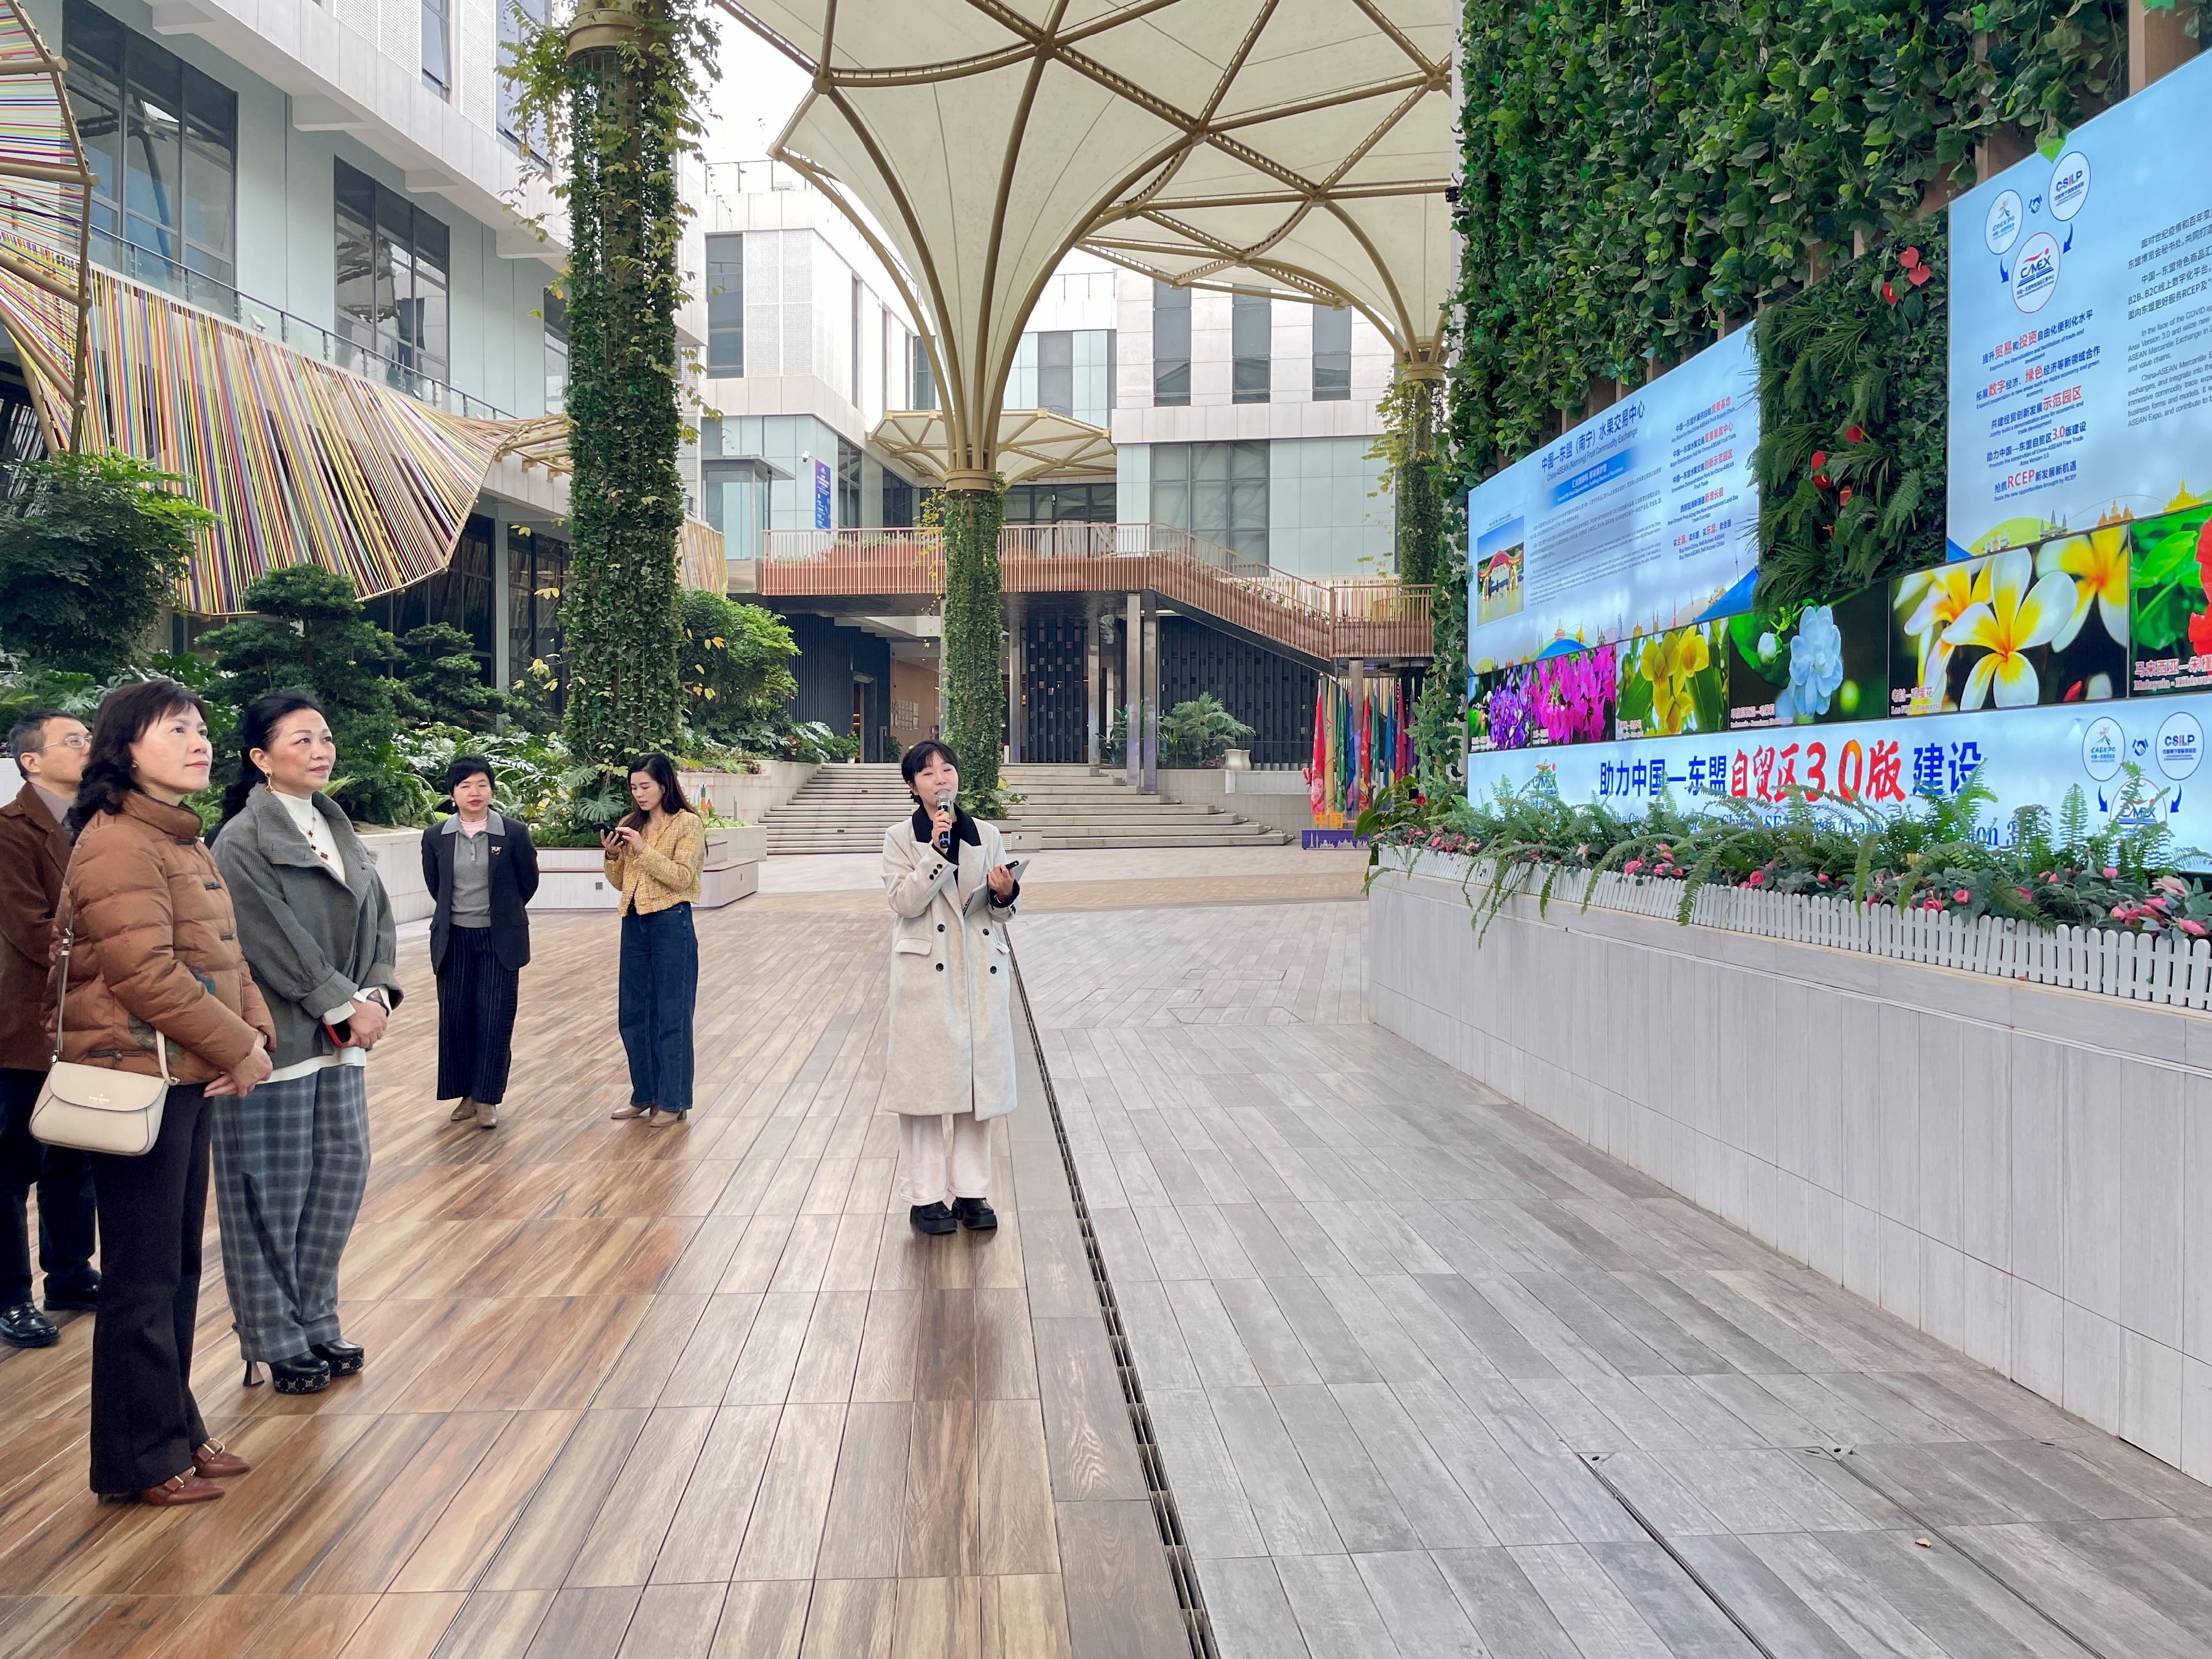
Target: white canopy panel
x,y
1032,443
1282,144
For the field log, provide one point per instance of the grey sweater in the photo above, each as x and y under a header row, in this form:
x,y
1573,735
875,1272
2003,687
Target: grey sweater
x,y
312,941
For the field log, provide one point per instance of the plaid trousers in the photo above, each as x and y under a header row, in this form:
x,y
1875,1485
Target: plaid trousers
x,y
291,1161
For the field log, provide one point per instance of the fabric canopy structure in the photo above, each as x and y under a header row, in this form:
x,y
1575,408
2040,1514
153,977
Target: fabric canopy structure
x,y
1339,203
1032,443
986,139
45,188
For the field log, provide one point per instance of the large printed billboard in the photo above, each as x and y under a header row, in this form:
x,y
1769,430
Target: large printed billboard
x,y
1637,521
2081,322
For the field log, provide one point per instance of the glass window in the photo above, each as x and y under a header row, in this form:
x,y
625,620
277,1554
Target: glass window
x,y
1170,345
1332,353
510,47
925,380
1217,491
848,485
437,46
855,377
1250,330
1061,503
1055,371
556,312
393,282
726,305
161,140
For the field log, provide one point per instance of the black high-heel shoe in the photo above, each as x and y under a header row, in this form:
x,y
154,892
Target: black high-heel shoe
x,y
303,1373
343,1358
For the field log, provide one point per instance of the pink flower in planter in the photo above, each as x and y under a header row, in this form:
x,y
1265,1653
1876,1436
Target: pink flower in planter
x,y
2195,929
1756,878
2120,912
1962,896
1632,866
2110,873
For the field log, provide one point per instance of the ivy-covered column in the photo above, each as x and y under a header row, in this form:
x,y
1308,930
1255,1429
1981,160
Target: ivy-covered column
x,y
629,82
1420,477
974,693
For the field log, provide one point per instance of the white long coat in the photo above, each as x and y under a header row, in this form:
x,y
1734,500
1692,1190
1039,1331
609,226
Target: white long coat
x,y
952,978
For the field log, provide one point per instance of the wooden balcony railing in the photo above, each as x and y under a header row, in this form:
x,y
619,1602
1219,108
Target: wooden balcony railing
x,y
1332,621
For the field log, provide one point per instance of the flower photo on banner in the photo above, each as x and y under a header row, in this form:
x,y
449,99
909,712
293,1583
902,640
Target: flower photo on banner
x,y
1810,665
2169,615
2012,629
1673,683
1574,696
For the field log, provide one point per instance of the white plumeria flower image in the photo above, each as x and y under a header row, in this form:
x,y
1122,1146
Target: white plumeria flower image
x,y
2015,618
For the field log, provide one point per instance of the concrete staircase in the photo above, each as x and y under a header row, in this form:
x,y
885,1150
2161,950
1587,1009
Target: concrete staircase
x,y
844,809
1072,806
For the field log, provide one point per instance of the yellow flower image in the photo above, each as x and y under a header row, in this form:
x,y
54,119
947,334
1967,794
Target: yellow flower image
x,y
2099,564
2011,620
1669,662
1933,600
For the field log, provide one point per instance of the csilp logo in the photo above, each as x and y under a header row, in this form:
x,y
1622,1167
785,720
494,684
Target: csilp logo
x,y
2035,273
2069,186
2180,745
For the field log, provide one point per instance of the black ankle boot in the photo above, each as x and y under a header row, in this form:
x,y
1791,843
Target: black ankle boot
x,y
973,1214
932,1218
303,1373
343,1358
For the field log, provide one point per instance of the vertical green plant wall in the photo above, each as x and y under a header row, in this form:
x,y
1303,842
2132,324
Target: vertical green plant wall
x,y
975,690
616,94
1637,179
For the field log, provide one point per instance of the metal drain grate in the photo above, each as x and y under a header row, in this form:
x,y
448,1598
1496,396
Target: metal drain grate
x,y
1180,1568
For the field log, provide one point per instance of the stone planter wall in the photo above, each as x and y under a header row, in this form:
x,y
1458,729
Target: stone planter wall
x,y
575,877
1277,799
748,795
398,855
2024,1172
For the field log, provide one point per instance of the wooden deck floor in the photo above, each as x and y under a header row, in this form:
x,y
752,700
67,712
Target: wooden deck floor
x,y
661,1393
700,1391
1385,1321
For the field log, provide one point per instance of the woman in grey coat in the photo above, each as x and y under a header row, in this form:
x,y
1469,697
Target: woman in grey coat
x,y
951,994
291,1159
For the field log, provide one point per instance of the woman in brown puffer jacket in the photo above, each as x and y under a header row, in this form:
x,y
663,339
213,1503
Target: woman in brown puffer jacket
x,y
152,947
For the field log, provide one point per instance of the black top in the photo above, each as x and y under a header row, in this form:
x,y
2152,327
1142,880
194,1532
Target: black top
x,y
513,879
963,828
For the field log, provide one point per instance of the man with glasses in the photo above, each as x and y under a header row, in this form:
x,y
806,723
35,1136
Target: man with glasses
x,y
49,750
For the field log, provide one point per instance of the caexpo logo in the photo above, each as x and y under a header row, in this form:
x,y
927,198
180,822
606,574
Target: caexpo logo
x,y
2001,228
2035,273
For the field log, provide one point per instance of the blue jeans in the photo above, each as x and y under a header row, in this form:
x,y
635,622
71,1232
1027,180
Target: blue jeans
x,y
659,984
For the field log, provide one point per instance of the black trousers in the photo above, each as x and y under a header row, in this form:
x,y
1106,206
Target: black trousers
x,y
152,1210
65,1178
476,1018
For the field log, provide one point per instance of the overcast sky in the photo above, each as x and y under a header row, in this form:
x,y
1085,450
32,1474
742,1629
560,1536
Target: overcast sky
x,y
760,87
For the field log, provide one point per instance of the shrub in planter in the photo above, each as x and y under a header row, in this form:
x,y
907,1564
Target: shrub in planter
x,y
1200,732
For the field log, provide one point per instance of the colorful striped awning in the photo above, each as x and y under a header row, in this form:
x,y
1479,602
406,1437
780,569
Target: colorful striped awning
x,y
43,198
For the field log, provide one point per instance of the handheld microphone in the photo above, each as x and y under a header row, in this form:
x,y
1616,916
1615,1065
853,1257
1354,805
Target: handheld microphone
x,y
945,805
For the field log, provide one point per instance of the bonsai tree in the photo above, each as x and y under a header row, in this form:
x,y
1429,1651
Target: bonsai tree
x,y
309,631
441,682
88,547
1200,732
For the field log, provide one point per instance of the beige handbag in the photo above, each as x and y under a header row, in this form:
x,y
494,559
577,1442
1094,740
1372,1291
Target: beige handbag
x,y
97,1109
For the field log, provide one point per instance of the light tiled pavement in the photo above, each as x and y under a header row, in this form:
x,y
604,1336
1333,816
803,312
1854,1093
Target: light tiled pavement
x,y
1385,1321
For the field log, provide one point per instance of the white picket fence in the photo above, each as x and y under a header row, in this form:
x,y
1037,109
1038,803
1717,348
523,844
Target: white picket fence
x,y
2140,967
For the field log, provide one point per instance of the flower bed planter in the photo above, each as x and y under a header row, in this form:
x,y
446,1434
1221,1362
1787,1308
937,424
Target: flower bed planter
x,y
2022,1170
575,877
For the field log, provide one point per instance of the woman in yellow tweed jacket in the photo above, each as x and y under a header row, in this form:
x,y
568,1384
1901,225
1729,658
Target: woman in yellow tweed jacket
x,y
654,856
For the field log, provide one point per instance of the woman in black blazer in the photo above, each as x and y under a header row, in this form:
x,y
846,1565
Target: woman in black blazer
x,y
481,869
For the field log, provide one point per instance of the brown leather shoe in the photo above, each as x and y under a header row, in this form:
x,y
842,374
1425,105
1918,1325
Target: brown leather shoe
x,y
186,1488
212,1462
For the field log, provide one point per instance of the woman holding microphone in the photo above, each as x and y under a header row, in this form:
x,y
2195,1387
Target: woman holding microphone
x,y
952,993
655,857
